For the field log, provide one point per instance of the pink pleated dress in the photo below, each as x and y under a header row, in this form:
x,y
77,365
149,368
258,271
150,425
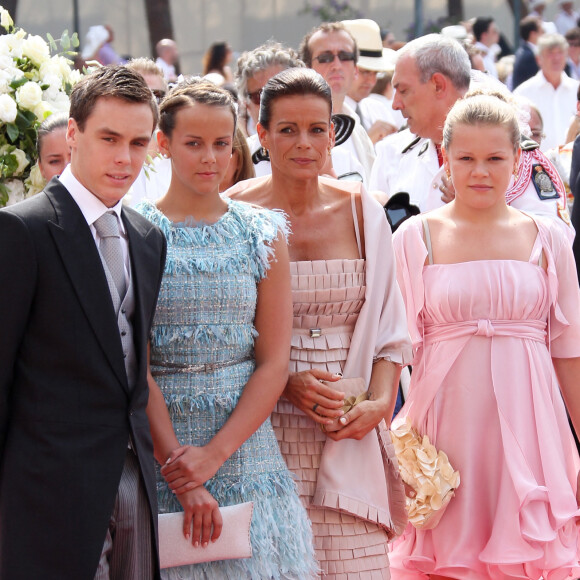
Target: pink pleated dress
x,y
484,390
327,298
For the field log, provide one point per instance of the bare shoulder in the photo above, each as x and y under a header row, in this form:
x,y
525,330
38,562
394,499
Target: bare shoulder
x,y
340,189
248,190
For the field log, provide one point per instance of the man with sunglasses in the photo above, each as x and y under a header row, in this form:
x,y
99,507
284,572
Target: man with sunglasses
x,y
332,52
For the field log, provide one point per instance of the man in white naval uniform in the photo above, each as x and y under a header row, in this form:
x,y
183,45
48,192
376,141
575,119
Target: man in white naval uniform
x,y
431,74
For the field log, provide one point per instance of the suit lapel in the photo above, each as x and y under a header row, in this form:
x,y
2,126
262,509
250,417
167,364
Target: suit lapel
x,y
144,271
81,259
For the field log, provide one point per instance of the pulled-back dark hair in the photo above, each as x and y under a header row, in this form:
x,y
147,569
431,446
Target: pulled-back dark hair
x,y
193,90
291,82
112,81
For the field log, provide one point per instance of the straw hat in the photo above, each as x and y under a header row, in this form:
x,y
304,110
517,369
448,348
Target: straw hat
x,y
370,47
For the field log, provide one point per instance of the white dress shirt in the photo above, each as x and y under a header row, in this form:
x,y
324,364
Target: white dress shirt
x,y
92,209
565,21
488,54
555,105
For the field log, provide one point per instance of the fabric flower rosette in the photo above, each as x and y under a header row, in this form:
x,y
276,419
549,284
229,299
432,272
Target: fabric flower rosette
x,y
33,85
427,471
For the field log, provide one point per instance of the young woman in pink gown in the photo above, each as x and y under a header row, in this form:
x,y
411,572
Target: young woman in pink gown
x,y
494,314
349,321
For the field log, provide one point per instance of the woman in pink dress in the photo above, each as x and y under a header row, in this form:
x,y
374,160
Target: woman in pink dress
x,y
349,322
494,314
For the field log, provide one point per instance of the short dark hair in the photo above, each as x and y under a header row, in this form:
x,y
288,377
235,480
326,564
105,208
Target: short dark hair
x,y
327,28
291,82
528,25
481,25
193,90
52,123
573,35
114,82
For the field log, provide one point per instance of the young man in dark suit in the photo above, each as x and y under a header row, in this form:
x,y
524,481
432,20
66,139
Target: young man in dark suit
x,y
77,297
526,64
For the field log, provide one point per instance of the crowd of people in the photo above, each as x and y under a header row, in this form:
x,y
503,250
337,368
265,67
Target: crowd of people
x,y
233,283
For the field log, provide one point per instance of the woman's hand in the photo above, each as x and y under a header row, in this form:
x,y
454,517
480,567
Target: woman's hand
x,y
360,420
202,519
307,391
189,467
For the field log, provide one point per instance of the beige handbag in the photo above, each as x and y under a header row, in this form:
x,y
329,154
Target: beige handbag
x,y
234,541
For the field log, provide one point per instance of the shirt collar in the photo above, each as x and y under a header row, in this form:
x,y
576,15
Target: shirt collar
x,y
90,205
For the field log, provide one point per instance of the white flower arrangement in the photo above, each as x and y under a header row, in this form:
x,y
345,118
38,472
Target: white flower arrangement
x,y
33,85
428,472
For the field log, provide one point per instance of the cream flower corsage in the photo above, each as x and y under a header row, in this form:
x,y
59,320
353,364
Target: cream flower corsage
x,y
428,472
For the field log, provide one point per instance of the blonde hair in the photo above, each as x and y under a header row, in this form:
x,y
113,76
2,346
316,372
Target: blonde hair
x,y
481,108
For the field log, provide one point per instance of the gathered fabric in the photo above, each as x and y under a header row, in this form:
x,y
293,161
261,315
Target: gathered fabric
x,y
484,390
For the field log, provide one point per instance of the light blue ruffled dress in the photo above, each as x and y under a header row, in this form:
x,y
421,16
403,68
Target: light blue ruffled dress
x,y
205,315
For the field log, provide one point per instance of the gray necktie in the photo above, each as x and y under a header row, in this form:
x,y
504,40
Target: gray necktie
x,y
107,227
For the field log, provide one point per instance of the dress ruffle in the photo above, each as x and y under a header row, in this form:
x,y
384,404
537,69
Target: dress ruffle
x,y
483,389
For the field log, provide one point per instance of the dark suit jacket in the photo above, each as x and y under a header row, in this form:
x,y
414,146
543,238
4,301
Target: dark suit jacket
x,y
525,65
66,410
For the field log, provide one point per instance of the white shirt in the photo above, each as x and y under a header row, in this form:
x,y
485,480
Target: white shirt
x,y
371,111
565,21
359,144
168,69
387,103
92,209
488,54
416,171
555,105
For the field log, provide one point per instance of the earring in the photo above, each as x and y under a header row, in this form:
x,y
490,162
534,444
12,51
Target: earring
x,y
448,174
515,173
330,150
264,152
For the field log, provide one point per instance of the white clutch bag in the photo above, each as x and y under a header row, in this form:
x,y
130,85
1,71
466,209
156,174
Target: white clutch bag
x,y
234,541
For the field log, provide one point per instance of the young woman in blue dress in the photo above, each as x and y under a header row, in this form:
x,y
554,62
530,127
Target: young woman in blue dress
x,y
219,348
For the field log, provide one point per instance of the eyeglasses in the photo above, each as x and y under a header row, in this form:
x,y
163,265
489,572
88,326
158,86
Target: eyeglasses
x,y
255,97
328,57
158,94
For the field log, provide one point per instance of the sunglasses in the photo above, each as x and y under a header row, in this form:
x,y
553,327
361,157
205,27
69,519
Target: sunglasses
x,y
158,94
328,57
255,97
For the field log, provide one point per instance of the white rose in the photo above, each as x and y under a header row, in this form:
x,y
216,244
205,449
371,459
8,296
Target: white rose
x,y
22,160
35,182
15,42
54,85
20,156
60,103
56,66
5,19
75,77
29,95
43,110
8,109
15,191
36,49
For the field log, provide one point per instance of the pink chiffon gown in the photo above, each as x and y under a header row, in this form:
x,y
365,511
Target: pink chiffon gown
x,y
484,390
